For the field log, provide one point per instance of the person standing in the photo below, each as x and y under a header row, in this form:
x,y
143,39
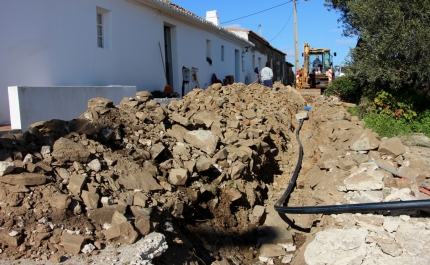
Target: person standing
x,y
266,75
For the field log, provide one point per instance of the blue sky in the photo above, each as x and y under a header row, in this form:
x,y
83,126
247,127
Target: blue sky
x,y
316,25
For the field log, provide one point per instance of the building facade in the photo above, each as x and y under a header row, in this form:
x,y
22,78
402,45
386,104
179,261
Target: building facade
x,y
112,42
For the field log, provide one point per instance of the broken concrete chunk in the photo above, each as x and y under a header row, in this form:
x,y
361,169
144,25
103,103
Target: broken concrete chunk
x,y
203,140
337,246
365,181
95,165
45,151
6,167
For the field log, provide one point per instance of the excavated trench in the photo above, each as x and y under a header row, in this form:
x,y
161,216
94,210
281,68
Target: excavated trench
x,y
202,173
194,170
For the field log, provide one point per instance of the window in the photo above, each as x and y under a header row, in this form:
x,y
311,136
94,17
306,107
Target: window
x,y
100,30
208,51
103,22
222,52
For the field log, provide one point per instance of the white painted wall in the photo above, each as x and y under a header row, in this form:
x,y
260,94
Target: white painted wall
x,y
54,43
33,104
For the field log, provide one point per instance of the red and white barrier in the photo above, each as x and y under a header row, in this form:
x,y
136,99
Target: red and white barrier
x,y
298,75
330,75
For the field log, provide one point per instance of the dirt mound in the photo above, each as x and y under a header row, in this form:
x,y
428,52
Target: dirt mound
x,y
118,173
195,182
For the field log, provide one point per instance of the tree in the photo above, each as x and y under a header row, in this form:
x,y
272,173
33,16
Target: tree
x,y
393,51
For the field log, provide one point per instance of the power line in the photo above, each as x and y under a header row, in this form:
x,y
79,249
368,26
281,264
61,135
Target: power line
x,y
258,12
282,28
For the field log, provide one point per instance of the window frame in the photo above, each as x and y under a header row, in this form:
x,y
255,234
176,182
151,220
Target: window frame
x,y
100,30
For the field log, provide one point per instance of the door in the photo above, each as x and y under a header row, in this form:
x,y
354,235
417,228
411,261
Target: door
x,y
236,66
168,55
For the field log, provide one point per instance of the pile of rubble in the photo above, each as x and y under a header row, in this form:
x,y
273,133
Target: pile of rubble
x,y
120,173
195,181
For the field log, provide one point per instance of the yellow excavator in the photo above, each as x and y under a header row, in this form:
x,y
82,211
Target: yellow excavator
x,y
317,68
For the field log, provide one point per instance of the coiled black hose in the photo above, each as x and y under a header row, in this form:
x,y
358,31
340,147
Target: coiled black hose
x,y
336,209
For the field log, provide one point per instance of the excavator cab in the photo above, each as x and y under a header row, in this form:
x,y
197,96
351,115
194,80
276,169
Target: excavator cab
x,y
323,56
317,68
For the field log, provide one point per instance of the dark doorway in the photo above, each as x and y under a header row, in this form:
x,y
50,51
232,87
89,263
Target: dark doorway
x,y
168,55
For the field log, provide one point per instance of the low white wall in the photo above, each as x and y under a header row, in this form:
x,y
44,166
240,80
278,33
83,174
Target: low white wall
x,y
28,104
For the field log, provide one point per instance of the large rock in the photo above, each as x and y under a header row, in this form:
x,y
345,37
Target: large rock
x,y
367,177
392,146
67,150
178,176
364,141
337,246
72,243
24,179
104,215
121,233
203,163
203,140
139,180
91,199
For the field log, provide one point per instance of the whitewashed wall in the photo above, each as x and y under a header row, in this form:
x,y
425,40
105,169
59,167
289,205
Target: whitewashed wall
x,y
54,43
33,104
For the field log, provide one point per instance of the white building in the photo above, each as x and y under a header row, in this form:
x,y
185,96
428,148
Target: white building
x,y
111,42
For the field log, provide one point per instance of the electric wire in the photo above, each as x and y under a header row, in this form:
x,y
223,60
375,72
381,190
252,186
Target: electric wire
x,y
282,27
336,209
258,12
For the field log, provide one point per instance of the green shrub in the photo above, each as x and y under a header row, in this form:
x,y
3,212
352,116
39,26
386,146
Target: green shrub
x,y
386,125
399,107
344,87
422,123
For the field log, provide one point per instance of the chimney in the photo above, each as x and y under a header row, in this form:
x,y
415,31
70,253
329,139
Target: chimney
x,y
212,16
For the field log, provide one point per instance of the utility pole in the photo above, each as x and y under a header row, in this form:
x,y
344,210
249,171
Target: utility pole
x,y
296,41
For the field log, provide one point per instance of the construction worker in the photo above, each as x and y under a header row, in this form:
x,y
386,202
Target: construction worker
x,y
266,75
317,62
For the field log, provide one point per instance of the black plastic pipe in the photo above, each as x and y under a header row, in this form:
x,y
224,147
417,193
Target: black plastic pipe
x,y
336,209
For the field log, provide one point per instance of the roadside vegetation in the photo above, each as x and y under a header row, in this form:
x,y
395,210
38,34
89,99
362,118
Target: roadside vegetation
x,y
388,73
